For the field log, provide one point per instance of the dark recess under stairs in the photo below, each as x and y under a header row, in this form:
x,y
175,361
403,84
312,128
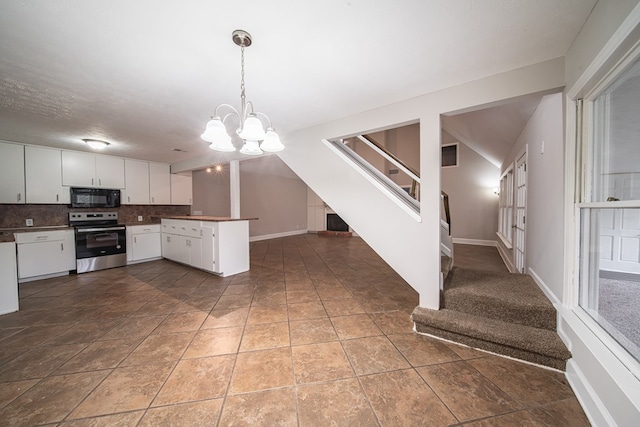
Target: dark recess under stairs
x,y
503,313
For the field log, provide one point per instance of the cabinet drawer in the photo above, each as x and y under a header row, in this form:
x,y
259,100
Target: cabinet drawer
x,y
41,236
189,228
145,229
182,227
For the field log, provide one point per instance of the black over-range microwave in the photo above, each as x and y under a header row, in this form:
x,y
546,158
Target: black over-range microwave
x,y
94,198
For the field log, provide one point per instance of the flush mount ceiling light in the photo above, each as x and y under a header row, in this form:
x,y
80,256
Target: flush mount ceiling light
x,y
96,144
255,138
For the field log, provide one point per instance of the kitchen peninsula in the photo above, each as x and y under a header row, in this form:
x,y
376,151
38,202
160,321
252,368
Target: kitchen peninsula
x,y
219,245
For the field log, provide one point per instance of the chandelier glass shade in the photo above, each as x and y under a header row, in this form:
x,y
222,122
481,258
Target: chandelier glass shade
x,y
251,130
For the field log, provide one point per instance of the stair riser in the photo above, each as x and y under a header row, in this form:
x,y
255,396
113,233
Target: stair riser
x,y
515,353
544,318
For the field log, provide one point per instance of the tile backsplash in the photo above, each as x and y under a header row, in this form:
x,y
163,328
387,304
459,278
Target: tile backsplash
x,y
14,216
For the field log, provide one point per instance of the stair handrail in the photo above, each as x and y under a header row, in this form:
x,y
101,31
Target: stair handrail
x,y
447,212
388,155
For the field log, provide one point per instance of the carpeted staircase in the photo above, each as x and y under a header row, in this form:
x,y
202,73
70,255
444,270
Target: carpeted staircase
x,y
499,312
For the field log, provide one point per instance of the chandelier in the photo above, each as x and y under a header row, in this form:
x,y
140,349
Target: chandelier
x,y
255,138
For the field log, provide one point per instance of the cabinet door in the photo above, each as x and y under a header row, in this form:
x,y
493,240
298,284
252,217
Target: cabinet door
x,y
208,247
136,175
37,259
109,172
159,184
43,176
78,169
146,246
9,301
11,173
181,189
69,250
167,246
195,251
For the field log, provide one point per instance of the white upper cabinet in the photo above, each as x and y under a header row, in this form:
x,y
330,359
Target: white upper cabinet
x,y
88,170
136,175
43,172
159,184
181,189
110,172
11,173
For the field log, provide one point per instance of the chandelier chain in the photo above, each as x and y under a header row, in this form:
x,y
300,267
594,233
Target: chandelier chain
x,y
242,94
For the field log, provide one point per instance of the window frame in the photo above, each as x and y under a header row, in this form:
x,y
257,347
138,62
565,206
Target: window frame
x,y
506,207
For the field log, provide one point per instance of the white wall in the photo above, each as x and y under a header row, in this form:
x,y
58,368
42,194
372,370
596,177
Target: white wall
x,y
211,192
410,247
473,204
270,191
545,194
607,387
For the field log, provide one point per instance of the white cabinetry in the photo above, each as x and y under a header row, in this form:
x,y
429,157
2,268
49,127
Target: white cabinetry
x,y
11,173
221,247
45,253
43,172
181,189
159,184
143,243
136,174
182,241
8,278
88,170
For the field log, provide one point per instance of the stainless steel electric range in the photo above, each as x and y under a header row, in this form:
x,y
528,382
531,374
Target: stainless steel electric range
x,y
100,241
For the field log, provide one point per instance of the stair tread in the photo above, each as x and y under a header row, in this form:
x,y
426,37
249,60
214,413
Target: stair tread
x,y
531,339
508,297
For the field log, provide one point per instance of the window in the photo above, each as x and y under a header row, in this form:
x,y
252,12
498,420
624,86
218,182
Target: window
x,y
609,282
449,155
505,207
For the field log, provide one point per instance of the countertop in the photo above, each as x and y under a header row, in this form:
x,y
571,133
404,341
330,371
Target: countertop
x,y
206,218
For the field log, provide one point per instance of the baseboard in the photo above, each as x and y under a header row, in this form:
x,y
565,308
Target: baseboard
x,y
506,259
140,261
617,275
607,390
44,276
476,242
543,286
586,395
277,235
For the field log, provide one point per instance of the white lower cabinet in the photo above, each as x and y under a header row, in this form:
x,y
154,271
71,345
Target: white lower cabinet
x,y
221,247
143,243
8,278
45,253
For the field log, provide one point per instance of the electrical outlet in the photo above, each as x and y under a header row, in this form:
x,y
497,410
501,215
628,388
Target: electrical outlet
x,y
139,217
29,222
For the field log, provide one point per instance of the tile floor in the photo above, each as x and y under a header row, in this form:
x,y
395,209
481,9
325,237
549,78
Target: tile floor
x,y
316,334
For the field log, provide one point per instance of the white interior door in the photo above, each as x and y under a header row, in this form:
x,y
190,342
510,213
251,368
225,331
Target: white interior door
x,y
521,211
620,228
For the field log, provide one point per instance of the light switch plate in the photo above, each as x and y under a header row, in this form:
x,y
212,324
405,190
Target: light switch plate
x,y
139,217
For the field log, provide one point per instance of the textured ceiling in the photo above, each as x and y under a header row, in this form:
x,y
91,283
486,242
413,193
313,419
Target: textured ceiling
x,y
146,74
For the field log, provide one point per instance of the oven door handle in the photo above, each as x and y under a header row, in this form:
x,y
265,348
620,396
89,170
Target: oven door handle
x,y
91,230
